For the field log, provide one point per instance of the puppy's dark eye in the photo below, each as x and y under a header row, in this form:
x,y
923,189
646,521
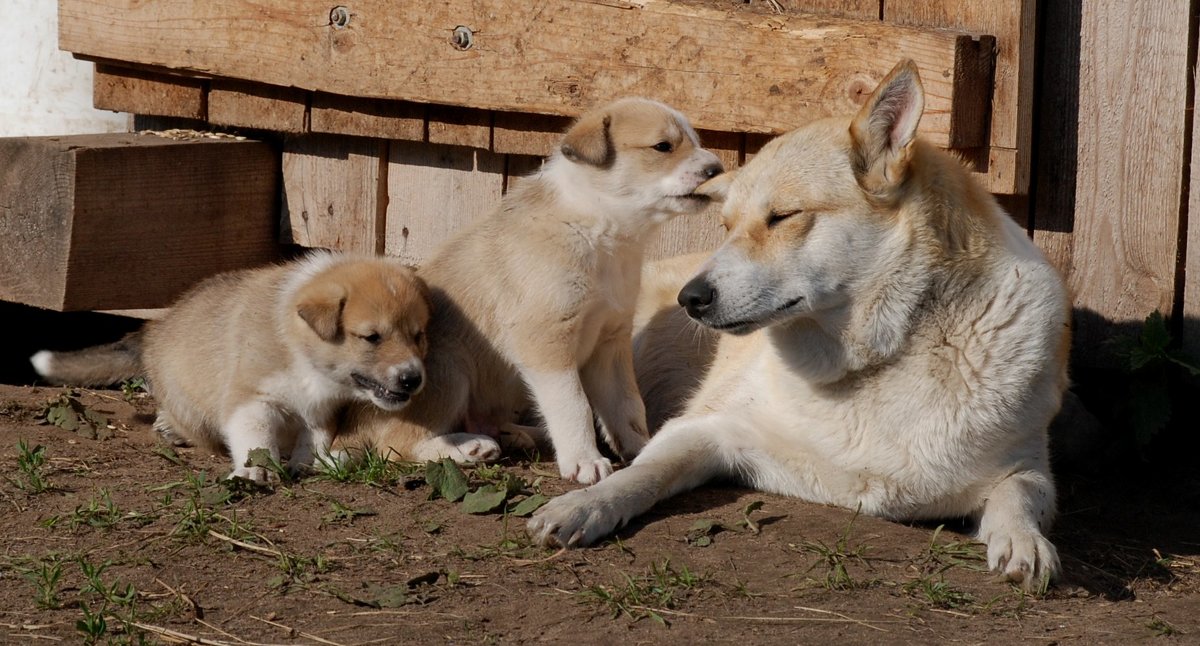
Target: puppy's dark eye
x,y
373,338
776,217
419,338
663,146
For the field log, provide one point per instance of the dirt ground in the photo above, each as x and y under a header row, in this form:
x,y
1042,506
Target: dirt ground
x,y
120,539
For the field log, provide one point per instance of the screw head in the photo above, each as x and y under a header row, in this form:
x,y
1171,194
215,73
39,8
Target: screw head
x,y
462,38
339,17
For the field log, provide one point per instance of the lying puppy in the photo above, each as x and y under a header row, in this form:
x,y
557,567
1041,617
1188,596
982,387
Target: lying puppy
x,y
892,340
264,358
540,295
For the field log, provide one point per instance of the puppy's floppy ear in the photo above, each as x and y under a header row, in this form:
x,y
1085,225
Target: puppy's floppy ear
x,y
885,128
321,308
589,141
717,188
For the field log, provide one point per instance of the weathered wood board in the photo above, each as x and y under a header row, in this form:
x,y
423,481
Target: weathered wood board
x,y
128,221
334,192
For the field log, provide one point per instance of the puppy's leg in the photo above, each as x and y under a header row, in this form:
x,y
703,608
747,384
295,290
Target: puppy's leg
x,y
1017,509
564,406
612,388
460,447
253,425
312,444
686,453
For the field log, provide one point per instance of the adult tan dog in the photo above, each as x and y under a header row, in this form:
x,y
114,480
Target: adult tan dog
x,y
539,297
893,342
264,358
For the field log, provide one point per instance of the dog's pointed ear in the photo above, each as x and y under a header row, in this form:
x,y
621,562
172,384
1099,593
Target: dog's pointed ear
x,y
589,141
885,128
717,188
321,308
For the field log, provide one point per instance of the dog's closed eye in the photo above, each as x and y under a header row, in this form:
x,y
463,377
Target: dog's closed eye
x,y
374,338
663,146
775,217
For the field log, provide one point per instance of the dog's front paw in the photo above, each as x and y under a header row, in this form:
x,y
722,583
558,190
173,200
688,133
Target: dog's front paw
x,y
257,475
461,447
574,519
1022,556
586,470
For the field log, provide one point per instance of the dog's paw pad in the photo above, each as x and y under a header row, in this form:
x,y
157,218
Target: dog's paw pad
x,y
587,471
482,449
574,519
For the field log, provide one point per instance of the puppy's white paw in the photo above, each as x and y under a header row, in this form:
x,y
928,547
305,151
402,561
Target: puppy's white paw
x,y
260,475
587,470
574,519
1022,556
460,447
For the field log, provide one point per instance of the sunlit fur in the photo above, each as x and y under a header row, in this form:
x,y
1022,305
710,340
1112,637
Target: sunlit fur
x,y
263,358
535,301
896,343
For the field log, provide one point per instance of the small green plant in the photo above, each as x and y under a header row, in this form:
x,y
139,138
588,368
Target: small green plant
x,y
68,413
45,579
836,557
938,593
1157,374
344,514
1162,628
31,463
368,467
133,388
642,597
92,625
112,601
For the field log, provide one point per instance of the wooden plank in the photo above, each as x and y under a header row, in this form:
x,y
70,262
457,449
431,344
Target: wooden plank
x,y
432,191
253,105
861,9
122,89
554,57
334,192
126,221
459,127
1191,283
1014,24
377,118
1132,103
520,133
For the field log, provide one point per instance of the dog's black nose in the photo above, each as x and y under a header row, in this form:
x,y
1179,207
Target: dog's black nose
x,y
697,296
712,170
410,381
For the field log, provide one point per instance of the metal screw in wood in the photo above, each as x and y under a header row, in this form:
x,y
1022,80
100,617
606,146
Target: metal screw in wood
x,y
462,38
339,17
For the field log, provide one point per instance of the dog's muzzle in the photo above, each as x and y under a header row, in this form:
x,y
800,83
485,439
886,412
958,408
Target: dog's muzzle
x,y
407,385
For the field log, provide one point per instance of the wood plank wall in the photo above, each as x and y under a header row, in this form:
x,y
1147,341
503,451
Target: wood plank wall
x,y
1113,176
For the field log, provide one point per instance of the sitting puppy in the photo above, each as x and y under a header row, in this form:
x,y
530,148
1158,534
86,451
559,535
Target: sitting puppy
x,y
266,357
538,297
890,340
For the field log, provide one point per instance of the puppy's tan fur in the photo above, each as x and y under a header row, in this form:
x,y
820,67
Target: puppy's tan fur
x,y
890,341
539,296
264,358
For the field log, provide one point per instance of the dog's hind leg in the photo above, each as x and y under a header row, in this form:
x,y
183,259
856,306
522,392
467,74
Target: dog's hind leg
x,y
612,389
686,453
1017,510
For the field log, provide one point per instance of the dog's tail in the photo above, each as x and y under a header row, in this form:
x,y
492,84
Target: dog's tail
x,y
99,365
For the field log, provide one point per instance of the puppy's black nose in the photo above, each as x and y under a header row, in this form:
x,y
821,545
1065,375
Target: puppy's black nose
x,y
410,381
697,296
712,170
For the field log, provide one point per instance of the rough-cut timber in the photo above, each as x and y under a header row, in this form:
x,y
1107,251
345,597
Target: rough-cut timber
x,y
117,221
334,192
730,71
122,89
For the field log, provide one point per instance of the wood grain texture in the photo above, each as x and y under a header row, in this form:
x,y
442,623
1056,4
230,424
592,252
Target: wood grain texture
x,y
1014,24
253,105
122,89
456,126
1132,102
518,133
1191,283
334,192
377,118
861,9
122,221
530,57
433,191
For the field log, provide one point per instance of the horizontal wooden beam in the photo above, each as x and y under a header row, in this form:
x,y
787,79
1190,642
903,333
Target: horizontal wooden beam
x,y
729,71
124,221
